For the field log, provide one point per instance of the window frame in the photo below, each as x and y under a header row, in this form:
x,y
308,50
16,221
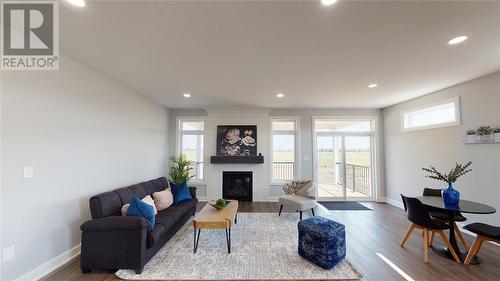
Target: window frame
x,y
200,145
296,134
454,100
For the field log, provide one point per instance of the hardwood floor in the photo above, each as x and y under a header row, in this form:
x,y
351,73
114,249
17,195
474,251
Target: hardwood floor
x,y
371,235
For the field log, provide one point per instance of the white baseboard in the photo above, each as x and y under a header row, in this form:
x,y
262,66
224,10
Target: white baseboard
x,y
51,265
394,203
202,199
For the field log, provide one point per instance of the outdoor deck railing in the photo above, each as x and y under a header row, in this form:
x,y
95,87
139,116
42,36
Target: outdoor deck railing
x,y
358,178
283,170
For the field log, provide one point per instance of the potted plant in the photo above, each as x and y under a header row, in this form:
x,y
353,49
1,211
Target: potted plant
x,y
450,195
496,132
179,176
471,136
484,133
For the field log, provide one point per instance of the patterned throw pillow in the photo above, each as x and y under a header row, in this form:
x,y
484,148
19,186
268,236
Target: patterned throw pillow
x,y
293,186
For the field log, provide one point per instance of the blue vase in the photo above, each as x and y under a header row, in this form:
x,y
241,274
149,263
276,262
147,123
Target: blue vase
x,y
450,195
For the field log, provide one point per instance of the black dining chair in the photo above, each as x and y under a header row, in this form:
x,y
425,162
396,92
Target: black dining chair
x,y
420,218
443,216
485,232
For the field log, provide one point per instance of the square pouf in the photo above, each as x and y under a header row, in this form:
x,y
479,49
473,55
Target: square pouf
x,y
321,241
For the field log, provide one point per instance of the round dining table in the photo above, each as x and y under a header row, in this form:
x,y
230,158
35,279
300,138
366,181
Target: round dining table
x,y
464,206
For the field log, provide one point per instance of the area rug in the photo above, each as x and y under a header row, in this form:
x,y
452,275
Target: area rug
x,y
345,206
264,247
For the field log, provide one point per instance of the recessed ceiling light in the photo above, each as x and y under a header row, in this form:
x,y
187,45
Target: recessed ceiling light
x,y
187,95
280,95
328,2
457,40
373,86
78,3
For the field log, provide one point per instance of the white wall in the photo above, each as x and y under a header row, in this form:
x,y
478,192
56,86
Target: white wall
x,y
83,134
261,117
406,153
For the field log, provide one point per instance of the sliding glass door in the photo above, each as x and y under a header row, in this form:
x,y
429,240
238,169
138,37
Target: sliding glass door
x,y
343,159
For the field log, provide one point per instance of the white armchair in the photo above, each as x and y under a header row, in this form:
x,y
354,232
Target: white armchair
x,y
299,195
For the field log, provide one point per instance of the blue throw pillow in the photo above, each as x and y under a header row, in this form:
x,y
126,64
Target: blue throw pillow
x,y
181,192
138,208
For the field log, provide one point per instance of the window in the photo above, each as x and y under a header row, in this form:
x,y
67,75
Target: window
x,y
191,134
284,149
441,114
341,125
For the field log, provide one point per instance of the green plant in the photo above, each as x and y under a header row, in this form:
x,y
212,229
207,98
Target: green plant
x,y
471,132
484,130
452,176
221,202
179,171
496,130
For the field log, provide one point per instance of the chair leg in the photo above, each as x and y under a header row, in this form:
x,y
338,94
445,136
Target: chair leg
x,y
433,233
450,248
312,210
281,209
407,235
459,234
474,249
300,215
426,245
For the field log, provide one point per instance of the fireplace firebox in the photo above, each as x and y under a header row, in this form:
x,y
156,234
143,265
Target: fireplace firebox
x,y
237,186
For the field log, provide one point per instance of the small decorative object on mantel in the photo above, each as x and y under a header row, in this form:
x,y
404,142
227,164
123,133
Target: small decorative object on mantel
x,y
483,134
450,195
219,203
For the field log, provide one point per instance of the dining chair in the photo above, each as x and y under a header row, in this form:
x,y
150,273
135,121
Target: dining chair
x,y
443,216
485,232
420,219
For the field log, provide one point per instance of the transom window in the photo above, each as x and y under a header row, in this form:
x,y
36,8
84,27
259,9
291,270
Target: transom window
x,y
441,114
284,133
191,135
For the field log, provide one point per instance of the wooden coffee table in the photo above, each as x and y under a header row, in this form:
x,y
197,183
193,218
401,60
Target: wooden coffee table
x,y
211,218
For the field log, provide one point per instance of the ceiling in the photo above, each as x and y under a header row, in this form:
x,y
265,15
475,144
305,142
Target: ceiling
x,y
242,53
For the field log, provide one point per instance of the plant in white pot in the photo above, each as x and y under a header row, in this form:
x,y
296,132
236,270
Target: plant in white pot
x,y
484,134
471,136
496,133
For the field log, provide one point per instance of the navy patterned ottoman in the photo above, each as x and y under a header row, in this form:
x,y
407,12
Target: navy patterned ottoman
x,y
321,241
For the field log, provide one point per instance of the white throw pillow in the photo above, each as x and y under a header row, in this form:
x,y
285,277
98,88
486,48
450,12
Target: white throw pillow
x,y
149,200
125,209
163,199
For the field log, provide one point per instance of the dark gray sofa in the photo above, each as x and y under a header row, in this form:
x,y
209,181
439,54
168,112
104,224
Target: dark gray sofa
x,y
113,241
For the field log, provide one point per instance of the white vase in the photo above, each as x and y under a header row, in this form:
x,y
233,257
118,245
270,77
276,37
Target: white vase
x,y
485,138
470,138
497,137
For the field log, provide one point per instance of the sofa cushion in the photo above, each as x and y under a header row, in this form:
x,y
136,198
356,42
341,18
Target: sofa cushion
x,y
148,187
125,195
105,204
155,235
159,184
138,190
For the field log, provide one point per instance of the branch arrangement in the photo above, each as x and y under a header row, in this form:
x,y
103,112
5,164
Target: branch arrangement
x,y
450,177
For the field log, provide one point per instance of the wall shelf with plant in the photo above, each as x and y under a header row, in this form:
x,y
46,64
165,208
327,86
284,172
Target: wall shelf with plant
x,y
483,134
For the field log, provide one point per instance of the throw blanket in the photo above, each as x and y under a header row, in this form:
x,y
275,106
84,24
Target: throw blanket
x,y
294,186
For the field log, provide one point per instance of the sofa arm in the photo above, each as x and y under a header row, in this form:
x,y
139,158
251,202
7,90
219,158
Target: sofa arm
x,y
192,190
114,242
115,223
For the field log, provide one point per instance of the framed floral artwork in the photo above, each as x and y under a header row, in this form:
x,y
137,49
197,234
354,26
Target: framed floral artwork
x,y
236,140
